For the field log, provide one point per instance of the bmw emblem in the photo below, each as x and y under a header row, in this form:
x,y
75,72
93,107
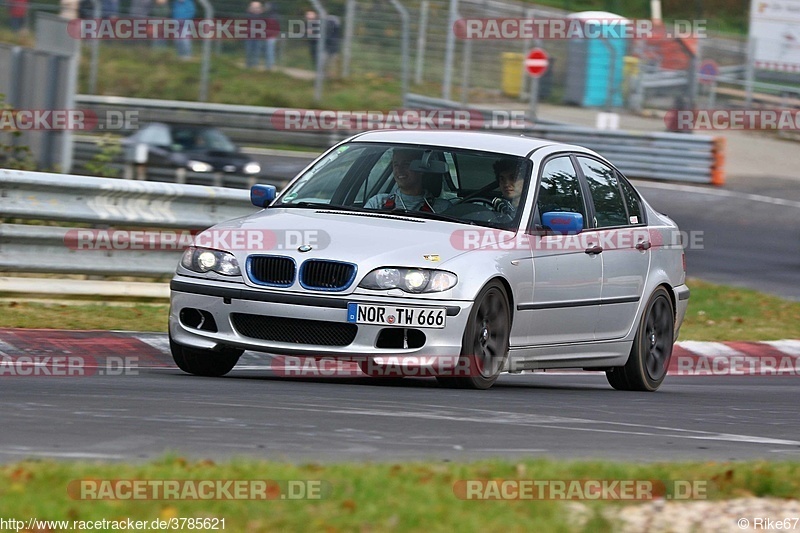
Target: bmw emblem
x,y
304,248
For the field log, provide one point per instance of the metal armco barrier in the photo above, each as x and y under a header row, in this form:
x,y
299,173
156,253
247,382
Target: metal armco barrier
x,y
244,124
648,155
101,203
661,156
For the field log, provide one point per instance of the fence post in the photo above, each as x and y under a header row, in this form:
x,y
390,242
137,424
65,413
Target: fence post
x,y
97,13
208,13
347,46
449,52
421,36
404,43
465,71
322,15
750,72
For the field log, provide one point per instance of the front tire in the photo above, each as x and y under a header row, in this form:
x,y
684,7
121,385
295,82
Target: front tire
x,y
484,347
204,362
648,361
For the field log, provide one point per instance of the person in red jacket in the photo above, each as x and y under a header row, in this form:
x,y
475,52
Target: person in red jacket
x,y
17,11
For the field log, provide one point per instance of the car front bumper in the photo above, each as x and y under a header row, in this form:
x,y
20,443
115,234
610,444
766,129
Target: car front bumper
x,y
221,300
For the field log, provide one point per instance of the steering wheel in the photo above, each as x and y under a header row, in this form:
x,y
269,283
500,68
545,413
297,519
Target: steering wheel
x,y
479,201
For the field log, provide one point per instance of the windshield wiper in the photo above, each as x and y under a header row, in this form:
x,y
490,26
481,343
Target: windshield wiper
x,y
322,205
430,215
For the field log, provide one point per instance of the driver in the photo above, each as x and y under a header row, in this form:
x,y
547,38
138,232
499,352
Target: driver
x,y
510,181
410,195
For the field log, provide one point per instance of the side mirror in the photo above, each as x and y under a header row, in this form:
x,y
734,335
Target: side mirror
x,y
563,222
262,195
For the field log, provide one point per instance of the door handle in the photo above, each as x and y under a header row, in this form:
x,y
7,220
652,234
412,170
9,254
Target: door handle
x,y
644,245
594,250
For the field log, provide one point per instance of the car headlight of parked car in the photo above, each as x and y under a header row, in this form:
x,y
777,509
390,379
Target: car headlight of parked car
x,y
199,166
207,260
416,280
252,168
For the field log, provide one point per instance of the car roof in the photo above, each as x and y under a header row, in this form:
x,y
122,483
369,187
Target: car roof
x,y
517,145
178,125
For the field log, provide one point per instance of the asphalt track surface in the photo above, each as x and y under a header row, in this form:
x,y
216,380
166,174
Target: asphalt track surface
x,y
249,413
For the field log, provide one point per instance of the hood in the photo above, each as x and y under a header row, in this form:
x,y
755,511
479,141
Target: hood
x,y
369,240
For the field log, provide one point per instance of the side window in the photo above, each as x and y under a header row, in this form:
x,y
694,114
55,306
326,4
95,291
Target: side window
x,y
381,169
609,205
559,189
156,135
632,201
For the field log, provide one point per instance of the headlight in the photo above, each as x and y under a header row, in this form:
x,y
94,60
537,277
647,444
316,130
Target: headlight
x,y
205,260
252,168
199,166
414,280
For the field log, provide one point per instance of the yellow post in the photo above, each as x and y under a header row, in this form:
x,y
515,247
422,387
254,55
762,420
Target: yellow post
x,y
512,73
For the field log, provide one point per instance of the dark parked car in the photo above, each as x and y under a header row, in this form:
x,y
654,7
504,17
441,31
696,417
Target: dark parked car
x,y
196,148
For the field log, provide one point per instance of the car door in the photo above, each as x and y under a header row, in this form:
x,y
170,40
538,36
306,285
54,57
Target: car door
x,y
567,280
159,142
621,230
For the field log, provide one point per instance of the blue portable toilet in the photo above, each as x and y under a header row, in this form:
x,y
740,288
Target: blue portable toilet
x,y
595,60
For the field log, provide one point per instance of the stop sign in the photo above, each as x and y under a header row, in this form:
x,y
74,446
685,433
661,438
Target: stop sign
x,y
536,63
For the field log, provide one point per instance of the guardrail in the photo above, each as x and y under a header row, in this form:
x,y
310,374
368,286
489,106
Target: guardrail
x,y
244,124
648,155
652,155
102,203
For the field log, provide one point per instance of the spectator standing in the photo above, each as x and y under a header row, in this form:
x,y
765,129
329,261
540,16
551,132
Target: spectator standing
x,y
333,42
161,10
253,48
273,32
140,8
110,9
70,9
312,34
17,11
183,10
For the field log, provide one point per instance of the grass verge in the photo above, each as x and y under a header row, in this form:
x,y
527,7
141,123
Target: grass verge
x,y
716,313
723,313
373,497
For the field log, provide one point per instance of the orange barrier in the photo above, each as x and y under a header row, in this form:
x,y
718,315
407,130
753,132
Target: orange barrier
x,y
718,163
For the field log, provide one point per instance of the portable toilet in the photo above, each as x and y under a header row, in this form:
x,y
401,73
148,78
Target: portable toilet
x,y
596,59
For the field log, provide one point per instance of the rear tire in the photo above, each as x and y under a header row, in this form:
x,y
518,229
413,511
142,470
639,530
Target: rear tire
x,y
204,362
648,361
484,347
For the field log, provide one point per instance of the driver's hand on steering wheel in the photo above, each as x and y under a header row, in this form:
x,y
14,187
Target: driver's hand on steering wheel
x,y
501,205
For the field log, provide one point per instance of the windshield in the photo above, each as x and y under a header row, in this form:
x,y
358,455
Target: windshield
x,y
202,139
466,186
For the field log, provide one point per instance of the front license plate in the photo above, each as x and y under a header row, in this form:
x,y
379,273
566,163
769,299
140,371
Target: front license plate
x,y
392,315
